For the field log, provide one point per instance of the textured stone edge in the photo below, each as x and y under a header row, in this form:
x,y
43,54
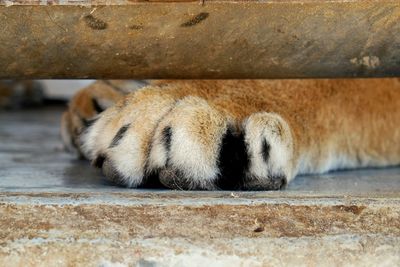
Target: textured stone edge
x,y
341,250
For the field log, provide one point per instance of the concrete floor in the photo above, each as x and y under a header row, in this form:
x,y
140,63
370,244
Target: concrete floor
x,y
57,210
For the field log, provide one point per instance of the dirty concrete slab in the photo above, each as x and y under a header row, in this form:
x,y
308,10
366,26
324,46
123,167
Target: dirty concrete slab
x,y
57,210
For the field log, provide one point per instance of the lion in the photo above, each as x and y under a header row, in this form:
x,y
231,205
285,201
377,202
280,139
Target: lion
x,y
233,134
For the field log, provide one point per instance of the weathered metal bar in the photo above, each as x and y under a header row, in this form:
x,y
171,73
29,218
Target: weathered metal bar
x,y
216,39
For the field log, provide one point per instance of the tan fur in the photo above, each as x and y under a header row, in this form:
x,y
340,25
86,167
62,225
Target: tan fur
x,y
324,124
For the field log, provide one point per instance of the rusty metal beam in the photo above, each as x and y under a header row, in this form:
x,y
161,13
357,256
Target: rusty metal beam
x,y
187,39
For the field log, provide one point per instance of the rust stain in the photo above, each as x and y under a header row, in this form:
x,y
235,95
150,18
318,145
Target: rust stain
x,y
136,27
196,20
259,229
353,209
95,23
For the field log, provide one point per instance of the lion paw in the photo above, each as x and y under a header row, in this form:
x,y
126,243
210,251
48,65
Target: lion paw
x,y
188,144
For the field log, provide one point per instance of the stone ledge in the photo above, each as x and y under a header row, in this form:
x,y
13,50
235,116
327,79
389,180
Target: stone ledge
x,y
202,219
340,250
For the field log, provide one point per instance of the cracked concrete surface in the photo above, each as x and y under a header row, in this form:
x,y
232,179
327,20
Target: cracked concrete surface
x,y
56,210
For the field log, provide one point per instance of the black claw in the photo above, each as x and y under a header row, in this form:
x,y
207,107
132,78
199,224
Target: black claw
x,y
99,161
276,182
283,182
97,106
88,123
273,182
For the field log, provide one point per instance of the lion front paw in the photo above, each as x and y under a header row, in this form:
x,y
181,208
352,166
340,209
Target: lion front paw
x,y
154,138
